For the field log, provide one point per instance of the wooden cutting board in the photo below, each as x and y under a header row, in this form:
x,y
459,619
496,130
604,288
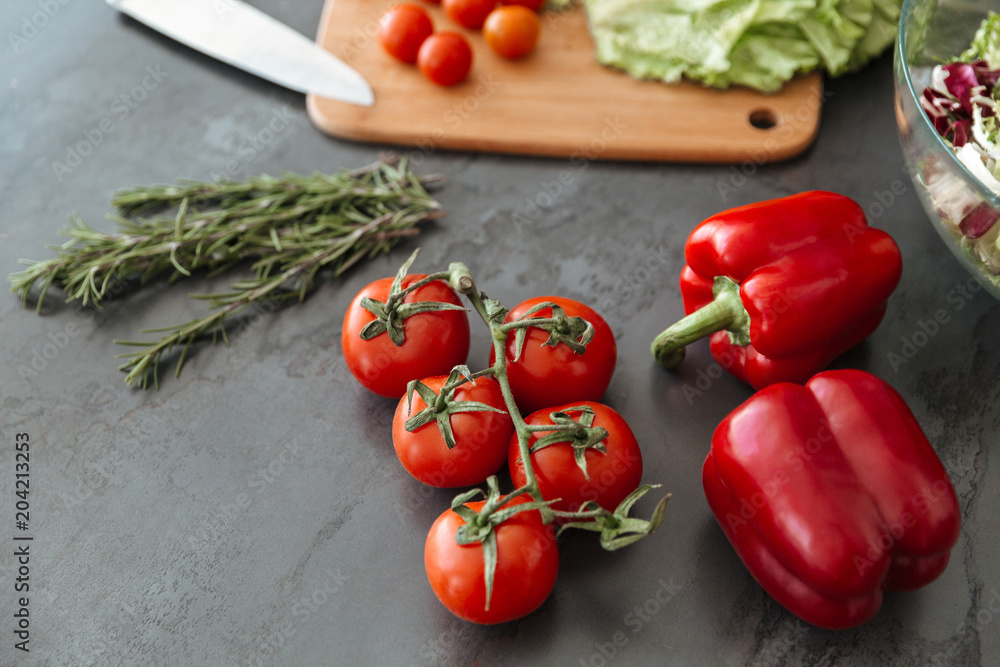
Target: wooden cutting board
x,y
557,101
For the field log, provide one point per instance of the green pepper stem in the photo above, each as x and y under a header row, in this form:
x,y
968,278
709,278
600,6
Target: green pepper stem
x,y
725,312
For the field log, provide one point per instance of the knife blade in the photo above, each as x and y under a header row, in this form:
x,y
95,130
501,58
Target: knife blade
x,y
245,37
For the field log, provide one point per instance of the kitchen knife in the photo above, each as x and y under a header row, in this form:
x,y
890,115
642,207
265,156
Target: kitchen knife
x,y
238,34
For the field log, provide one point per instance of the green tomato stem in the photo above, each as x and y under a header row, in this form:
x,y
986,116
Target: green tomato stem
x,y
580,516
549,428
398,297
539,322
461,279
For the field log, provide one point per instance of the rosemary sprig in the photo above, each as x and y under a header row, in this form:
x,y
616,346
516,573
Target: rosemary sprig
x,y
289,227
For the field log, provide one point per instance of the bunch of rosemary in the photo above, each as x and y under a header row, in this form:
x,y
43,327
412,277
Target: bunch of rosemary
x,y
287,228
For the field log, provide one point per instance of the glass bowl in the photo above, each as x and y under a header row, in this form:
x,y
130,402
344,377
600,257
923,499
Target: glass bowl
x,y
932,32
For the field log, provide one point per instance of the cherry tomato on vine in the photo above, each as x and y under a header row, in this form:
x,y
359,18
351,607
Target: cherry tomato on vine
x,y
527,565
435,341
613,474
468,13
533,5
481,436
548,375
445,58
512,31
402,29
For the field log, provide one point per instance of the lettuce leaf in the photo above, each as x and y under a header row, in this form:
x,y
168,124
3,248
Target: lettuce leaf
x,y
755,43
986,43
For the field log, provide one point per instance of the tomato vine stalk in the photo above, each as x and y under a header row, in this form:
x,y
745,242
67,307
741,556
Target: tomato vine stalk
x,y
492,314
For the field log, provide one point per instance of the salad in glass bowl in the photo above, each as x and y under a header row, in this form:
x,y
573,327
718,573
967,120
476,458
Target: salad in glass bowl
x,y
948,108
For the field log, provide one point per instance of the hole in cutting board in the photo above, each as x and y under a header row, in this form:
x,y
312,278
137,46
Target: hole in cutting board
x,y
763,119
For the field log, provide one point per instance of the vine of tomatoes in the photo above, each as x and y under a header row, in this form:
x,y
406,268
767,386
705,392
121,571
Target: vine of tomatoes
x,y
574,462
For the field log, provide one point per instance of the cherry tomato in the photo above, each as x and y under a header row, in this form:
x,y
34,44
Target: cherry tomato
x,y
512,31
533,5
481,437
613,474
468,13
445,58
402,29
548,375
527,564
435,341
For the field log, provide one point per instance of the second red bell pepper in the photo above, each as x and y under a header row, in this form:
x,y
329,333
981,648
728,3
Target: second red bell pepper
x,y
830,493
783,287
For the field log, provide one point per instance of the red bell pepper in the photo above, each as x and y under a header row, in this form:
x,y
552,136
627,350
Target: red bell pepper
x,y
783,287
830,494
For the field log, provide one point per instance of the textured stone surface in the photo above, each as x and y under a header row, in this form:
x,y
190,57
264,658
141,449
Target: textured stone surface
x,y
254,509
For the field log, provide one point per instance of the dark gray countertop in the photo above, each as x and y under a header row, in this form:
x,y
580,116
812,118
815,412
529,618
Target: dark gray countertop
x,y
253,511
